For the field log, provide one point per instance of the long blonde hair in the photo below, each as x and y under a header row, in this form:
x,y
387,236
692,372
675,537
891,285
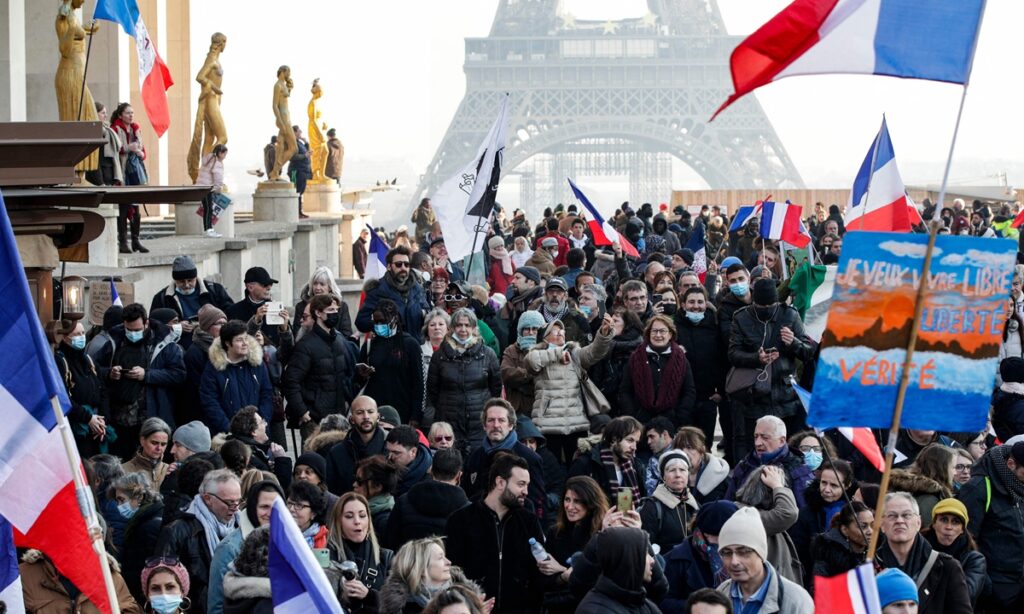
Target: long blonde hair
x,y
411,562
336,537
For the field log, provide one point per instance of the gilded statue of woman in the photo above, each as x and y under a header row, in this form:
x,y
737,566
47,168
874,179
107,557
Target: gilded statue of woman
x,y
71,73
317,138
286,146
209,128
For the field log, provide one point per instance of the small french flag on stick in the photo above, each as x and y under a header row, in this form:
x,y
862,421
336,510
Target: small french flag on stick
x,y
604,233
376,264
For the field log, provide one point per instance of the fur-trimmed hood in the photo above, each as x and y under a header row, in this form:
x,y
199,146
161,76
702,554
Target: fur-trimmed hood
x,y
219,356
714,471
906,481
326,439
395,594
237,586
33,556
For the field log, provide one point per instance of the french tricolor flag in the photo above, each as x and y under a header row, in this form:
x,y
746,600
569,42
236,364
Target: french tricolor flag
x,y
154,76
861,437
604,233
878,200
854,592
781,222
376,263
913,39
298,584
37,487
743,214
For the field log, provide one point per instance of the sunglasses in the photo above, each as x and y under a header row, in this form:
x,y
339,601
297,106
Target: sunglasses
x,y
445,438
402,265
453,298
169,561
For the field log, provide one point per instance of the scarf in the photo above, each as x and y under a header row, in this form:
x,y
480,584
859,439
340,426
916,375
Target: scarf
x,y
502,255
769,458
709,552
403,289
381,503
214,529
1013,388
629,479
310,534
551,316
669,385
505,444
916,558
1008,478
955,550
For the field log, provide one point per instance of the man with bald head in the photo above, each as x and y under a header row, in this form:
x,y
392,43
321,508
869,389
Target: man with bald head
x,y
365,439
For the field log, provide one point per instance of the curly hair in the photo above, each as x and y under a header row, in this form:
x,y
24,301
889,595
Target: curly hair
x,y
244,423
236,456
388,312
252,558
134,485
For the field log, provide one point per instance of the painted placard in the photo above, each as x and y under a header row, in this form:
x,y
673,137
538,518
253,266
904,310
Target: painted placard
x,y
100,298
956,356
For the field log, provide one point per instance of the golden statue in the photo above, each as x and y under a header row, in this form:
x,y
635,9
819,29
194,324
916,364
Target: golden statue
x,y
317,138
286,146
209,128
74,103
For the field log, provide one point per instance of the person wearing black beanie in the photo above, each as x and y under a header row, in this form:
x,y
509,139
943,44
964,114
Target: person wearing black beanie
x,y
767,336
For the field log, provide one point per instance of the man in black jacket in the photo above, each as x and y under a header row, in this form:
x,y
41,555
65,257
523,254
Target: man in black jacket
x,y
365,439
318,380
187,293
424,510
499,422
258,287
489,539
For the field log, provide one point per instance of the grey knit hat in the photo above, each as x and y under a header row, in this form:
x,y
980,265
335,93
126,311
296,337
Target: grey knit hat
x,y
194,436
184,268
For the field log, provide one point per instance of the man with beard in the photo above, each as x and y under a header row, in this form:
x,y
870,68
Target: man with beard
x,y
499,422
612,463
366,439
524,291
490,538
402,288
556,305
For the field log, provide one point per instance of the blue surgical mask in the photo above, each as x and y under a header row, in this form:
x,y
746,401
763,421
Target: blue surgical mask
x,y
586,310
739,288
557,347
526,343
126,510
641,244
165,604
135,336
383,330
185,292
77,342
695,316
812,459
462,341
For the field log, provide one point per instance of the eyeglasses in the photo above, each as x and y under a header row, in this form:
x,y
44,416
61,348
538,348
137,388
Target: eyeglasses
x,y
806,449
359,481
230,504
963,467
659,331
905,516
740,552
402,264
296,506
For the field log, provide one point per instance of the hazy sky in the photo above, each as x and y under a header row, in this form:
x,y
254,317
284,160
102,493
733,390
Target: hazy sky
x,y
392,76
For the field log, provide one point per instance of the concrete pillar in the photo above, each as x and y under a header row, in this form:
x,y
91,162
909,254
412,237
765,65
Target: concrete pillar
x,y
235,259
275,201
174,48
12,60
187,222
304,248
322,198
41,58
103,249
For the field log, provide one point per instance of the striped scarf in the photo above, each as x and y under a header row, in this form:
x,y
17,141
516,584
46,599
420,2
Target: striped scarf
x,y
629,479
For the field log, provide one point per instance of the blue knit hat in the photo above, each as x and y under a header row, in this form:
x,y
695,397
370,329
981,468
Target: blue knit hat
x,y
530,319
894,585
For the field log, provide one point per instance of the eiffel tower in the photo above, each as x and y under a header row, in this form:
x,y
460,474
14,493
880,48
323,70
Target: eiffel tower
x,y
611,98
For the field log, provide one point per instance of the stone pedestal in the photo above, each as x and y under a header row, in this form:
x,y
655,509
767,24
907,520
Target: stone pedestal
x,y
352,222
275,201
103,249
188,223
322,198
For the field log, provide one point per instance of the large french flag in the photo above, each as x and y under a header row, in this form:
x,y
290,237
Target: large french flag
x,y
913,39
154,76
603,232
781,222
878,200
854,592
376,262
298,584
37,489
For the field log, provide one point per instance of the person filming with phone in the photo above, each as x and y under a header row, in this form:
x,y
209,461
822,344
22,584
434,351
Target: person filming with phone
x,y
767,340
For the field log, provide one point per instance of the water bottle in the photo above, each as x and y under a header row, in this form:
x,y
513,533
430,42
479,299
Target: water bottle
x,y
538,551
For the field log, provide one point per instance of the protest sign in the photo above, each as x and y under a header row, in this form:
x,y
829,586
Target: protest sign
x,y
870,320
100,298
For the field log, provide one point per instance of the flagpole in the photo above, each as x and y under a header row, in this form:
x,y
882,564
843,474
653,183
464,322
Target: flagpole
x,y
86,505
871,175
85,69
901,396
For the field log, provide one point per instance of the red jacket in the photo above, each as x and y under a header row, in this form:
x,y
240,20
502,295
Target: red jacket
x,y
563,246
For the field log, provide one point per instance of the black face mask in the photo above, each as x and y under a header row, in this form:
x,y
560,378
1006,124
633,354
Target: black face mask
x,y
332,320
765,313
668,309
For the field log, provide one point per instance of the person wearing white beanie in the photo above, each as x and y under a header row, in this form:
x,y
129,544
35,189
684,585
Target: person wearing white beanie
x,y
753,585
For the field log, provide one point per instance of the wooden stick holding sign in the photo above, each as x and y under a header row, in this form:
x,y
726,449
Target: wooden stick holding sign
x,y
901,396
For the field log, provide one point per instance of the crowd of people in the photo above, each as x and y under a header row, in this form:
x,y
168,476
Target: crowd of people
x,y
583,431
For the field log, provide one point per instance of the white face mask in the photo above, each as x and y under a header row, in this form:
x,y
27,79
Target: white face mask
x,y
425,275
175,332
